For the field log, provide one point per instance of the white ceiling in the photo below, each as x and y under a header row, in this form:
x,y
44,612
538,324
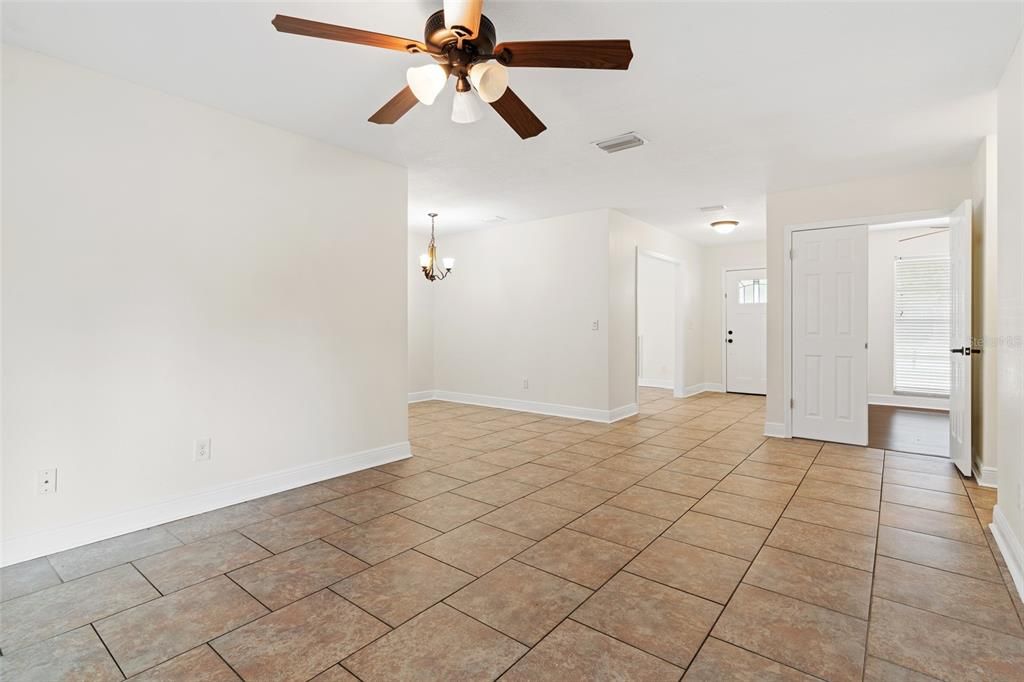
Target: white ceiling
x,y
736,99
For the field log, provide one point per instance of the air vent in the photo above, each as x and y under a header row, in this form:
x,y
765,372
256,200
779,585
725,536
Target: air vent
x,y
617,144
712,209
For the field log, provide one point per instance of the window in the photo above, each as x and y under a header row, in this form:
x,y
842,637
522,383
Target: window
x,y
921,326
753,291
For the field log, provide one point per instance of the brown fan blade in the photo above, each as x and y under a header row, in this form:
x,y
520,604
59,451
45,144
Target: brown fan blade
x,y
396,107
316,29
518,115
566,54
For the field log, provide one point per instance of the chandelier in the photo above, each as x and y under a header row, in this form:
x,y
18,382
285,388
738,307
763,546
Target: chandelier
x,y
428,261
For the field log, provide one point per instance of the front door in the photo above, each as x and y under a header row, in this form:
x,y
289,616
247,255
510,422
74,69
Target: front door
x,y
746,331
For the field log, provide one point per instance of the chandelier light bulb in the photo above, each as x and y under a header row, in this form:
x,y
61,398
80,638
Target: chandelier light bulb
x,y
490,80
426,82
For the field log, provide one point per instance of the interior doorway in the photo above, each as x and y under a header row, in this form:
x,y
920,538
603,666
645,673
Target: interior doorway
x,y
656,321
746,331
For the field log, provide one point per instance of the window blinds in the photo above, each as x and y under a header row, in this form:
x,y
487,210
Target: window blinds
x,y
921,326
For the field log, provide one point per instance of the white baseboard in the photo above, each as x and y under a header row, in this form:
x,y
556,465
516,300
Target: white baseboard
x,y
15,550
920,402
656,383
1010,547
699,388
552,409
420,396
775,430
986,477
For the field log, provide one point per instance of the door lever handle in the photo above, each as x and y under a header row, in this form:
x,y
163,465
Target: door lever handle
x,y
961,351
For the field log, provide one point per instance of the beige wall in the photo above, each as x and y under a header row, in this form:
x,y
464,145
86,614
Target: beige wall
x,y
930,189
170,273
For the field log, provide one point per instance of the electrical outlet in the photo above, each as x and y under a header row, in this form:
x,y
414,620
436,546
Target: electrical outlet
x,y
201,451
526,383
46,481
597,325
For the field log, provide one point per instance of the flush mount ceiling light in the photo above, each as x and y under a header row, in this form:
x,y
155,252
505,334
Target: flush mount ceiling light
x,y
463,44
428,261
724,226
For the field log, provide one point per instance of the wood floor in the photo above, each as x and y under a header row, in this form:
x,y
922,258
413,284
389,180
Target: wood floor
x,y
904,429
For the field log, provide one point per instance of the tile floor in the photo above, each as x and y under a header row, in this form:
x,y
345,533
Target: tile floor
x,y
679,543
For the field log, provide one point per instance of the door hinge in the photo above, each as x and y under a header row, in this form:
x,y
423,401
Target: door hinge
x,y
792,254
791,403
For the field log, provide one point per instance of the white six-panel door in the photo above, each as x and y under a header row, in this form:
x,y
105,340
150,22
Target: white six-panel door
x,y
830,331
746,331
960,343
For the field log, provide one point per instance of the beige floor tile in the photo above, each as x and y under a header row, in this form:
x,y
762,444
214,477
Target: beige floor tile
x,y
605,479
836,587
297,573
202,526
983,498
335,674
448,453
568,461
381,538
927,499
922,463
839,493
678,483
576,652
738,508
368,504
719,661
26,577
839,516
75,655
707,454
651,617
950,526
594,449
632,464
536,475
41,615
771,472
621,526
360,480
948,555
571,496
659,503
740,443
433,646
781,458
942,647
468,470
495,490
519,600
529,518
403,586
152,633
291,530
809,638
507,457
699,467
98,556
300,640
917,479
969,599
583,559
736,539
409,467
692,569
758,488
538,446
475,547
877,670
190,564
655,452
852,451
295,499
198,665
861,479
821,542
423,485
445,512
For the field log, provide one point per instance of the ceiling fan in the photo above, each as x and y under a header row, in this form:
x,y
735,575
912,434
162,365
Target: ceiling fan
x,y
462,43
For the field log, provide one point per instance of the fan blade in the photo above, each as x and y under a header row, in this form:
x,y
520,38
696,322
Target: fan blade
x,y
463,16
566,54
518,115
316,29
396,107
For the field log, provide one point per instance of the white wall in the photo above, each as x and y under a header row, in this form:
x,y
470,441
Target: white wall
x,y
1009,514
925,190
520,305
172,272
717,260
656,321
884,246
421,319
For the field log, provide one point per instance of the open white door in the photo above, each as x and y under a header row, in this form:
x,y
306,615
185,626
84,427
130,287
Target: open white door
x,y
830,332
746,331
960,337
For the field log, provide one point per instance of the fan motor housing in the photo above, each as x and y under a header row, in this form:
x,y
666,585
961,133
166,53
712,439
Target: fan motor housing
x,y
436,34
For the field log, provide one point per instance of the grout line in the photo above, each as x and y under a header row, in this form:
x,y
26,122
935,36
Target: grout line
x,y
106,648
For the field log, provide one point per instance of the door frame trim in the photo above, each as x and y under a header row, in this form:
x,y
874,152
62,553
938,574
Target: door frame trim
x,y
678,384
787,290
725,317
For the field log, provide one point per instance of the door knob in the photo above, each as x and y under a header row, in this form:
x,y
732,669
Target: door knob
x,y
728,340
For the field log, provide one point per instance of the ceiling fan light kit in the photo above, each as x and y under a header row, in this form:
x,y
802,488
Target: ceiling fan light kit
x,y
463,43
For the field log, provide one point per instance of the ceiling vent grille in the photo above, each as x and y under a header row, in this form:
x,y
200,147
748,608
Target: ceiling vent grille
x,y
712,209
619,143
